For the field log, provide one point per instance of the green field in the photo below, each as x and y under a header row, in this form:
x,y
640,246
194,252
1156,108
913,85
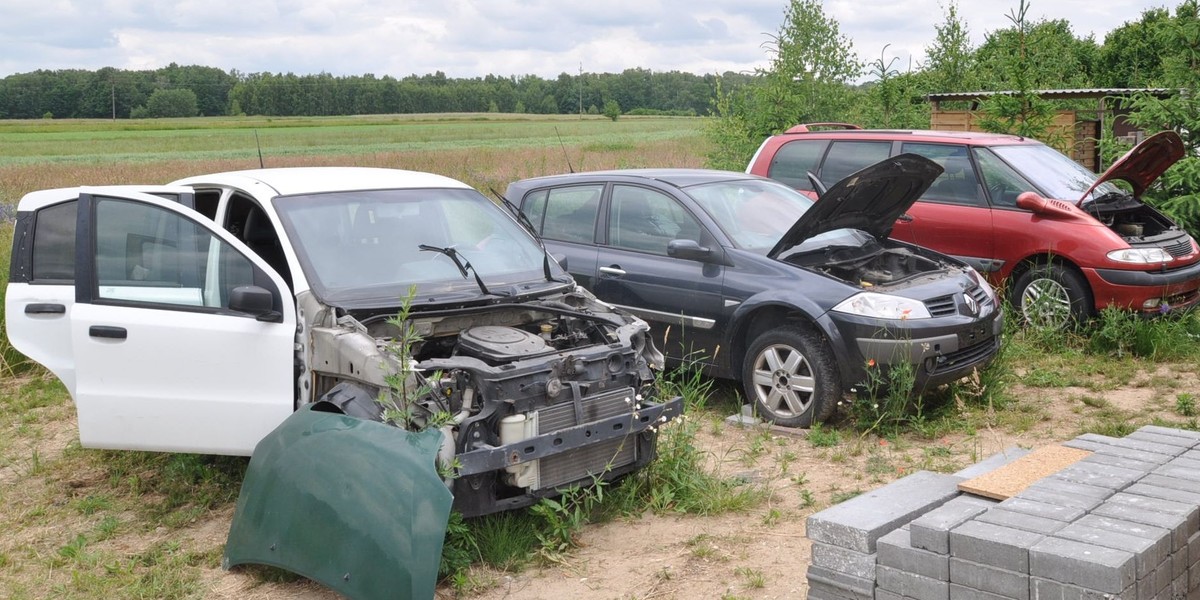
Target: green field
x,y
481,149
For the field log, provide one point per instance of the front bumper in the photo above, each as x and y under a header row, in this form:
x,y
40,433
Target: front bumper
x,y
940,350
1176,288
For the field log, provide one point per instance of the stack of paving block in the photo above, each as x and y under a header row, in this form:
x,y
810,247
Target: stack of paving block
x,y
1121,523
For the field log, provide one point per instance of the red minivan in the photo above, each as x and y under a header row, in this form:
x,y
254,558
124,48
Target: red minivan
x,y
1068,242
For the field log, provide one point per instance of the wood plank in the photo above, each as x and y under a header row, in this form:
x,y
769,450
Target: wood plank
x,y
1009,480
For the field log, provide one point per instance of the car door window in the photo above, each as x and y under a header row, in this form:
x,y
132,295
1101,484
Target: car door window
x,y
148,254
54,244
568,213
794,160
957,183
647,220
1002,182
848,157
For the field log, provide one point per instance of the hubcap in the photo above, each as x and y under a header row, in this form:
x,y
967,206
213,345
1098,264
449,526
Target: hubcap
x,y
1046,303
783,381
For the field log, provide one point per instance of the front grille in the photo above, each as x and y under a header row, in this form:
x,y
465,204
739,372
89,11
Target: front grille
x,y
978,294
594,459
1181,248
964,356
941,306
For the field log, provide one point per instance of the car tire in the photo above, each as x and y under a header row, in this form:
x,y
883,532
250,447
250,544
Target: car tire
x,y
790,377
1053,296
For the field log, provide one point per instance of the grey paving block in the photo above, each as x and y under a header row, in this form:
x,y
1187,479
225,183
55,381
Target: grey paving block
x,y
1194,577
1114,450
1019,520
1179,563
895,550
859,588
1086,565
821,591
1051,495
1125,442
1164,493
1193,549
1042,509
843,560
1149,553
992,462
1125,462
962,592
1045,589
993,545
1008,584
1099,475
1071,487
1193,454
1175,483
1173,440
1188,511
1194,436
912,585
1162,577
1176,524
858,522
1160,536
1177,471
882,594
1041,588
931,531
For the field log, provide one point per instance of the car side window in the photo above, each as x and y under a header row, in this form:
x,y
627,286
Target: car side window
x,y
148,254
794,160
845,158
1002,182
647,220
957,184
570,213
54,244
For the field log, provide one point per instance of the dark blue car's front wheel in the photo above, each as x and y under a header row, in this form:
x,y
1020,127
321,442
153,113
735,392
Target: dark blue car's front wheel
x,y
790,377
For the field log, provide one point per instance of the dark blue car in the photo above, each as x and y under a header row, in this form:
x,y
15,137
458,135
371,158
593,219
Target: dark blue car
x,y
796,299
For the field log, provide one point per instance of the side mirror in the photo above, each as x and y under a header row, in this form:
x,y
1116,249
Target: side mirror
x,y
1035,203
253,300
688,250
561,259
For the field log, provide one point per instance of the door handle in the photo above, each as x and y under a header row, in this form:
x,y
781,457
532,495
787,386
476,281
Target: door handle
x,y
613,270
45,309
109,332
905,218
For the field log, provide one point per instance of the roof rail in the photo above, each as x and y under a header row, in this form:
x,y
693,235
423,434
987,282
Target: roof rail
x,y
807,127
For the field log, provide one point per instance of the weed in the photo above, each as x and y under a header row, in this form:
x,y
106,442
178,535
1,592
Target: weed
x,y
459,549
842,496
807,499
1185,405
754,578
772,517
821,437
1095,402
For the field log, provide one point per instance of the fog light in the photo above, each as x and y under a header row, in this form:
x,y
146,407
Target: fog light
x,y
1150,304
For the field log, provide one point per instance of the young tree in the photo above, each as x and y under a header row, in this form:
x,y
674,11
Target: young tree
x,y
168,103
950,61
1008,55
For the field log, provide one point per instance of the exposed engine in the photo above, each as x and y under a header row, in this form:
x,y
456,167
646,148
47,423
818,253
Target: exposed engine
x,y
866,268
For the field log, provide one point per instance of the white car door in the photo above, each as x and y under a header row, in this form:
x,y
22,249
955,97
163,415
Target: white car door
x,y
155,356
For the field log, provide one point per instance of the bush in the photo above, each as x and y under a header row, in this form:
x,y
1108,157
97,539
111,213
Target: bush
x,y
612,110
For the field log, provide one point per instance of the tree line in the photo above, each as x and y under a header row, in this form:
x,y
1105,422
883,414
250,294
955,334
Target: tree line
x,y
192,90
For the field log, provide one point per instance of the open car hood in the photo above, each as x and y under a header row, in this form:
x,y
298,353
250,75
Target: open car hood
x,y
351,503
1143,164
870,200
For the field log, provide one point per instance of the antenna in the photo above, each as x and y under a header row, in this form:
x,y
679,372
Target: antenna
x,y
564,149
259,146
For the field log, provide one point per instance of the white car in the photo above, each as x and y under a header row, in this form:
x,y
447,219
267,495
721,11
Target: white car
x,y
253,312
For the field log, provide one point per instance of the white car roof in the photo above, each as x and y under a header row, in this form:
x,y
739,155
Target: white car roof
x,y
314,180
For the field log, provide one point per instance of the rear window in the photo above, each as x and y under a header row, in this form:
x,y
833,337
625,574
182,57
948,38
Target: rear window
x,y
794,160
54,243
849,157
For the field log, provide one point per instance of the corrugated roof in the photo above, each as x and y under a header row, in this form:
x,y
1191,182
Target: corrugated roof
x,y
1054,94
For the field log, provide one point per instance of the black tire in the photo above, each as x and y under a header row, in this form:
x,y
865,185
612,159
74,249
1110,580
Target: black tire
x,y
1054,296
790,376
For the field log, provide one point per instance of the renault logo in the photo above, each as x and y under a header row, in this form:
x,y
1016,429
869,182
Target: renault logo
x,y
972,305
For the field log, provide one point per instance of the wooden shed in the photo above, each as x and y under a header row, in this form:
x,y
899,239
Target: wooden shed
x,y
1075,131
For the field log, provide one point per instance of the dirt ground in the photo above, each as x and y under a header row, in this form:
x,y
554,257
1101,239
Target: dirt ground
x,y
759,553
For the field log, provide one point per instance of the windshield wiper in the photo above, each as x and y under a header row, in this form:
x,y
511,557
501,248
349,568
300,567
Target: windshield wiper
x,y
462,263
523,219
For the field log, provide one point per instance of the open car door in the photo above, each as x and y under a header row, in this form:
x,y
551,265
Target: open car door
x,y
170,334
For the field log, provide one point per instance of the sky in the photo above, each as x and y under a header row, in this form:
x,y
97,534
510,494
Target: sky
x,y
473,38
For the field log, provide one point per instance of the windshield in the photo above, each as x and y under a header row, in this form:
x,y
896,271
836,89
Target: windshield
x,y
366,245
754,213
1055,175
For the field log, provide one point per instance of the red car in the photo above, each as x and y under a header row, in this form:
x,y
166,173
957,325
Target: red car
x,y
1068,242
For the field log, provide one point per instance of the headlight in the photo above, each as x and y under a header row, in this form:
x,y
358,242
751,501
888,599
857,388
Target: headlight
x,y
882,306
1140,256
